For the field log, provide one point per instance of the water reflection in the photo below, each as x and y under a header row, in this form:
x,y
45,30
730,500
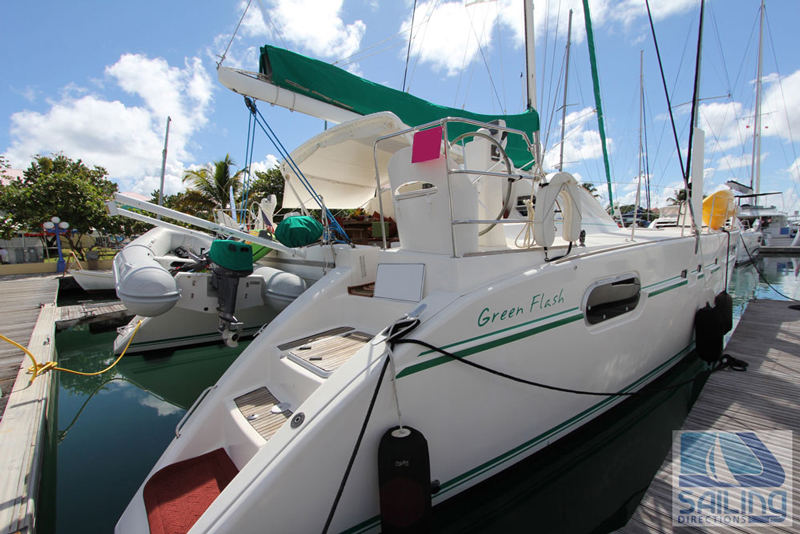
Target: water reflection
x,y
113,428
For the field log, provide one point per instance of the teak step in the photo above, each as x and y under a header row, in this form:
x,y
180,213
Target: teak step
x,y
258,407
323,353
179,494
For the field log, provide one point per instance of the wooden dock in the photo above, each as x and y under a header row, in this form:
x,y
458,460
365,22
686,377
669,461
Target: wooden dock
x,y
28,311
21,301
88,313
766,397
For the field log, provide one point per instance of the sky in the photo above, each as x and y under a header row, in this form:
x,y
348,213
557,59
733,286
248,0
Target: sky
x,y
96,80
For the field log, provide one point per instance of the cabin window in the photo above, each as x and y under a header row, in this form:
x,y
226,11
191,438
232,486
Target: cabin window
x,y
612,299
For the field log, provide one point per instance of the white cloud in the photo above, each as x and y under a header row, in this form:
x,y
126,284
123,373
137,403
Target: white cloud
x,y
235,57
29,92
125,139
446,35
732,163
163,408
781,106
314,25
580,142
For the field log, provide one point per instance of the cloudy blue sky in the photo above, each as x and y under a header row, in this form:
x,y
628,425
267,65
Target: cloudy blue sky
x,y
96,80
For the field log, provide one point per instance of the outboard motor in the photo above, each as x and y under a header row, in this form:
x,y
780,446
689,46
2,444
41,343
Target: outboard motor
x,y
230,261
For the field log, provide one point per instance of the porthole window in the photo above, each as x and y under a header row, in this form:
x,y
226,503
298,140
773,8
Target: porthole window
x,y
612,299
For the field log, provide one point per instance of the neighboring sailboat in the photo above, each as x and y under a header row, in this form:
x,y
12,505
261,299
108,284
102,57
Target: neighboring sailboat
x,y
306,432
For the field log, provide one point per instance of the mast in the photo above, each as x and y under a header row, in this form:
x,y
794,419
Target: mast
x,y
694,169
596,84
641,114
566,79
164,166
530,65
755,168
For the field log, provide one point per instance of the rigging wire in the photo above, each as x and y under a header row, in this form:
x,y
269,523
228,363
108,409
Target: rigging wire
x,y
273,29
550,97
431,9
461,71
267,129
483,57
410,39
500,48
786,112
362,58
225,53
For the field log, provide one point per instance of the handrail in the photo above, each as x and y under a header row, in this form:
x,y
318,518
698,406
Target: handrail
x,y
443,123
192,409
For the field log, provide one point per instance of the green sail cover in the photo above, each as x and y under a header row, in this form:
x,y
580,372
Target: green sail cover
x,y
332,85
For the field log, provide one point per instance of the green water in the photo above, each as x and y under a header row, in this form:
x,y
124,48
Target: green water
x,y
111,429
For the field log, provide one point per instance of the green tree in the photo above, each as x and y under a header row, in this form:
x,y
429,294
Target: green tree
x,y
680,196
266,183
211,186
7,226
58,186
591,189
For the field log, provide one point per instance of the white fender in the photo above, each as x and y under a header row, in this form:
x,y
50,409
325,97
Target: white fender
x,y
564,188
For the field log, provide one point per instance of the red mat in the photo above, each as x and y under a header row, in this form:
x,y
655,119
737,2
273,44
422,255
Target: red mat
x,y
177,496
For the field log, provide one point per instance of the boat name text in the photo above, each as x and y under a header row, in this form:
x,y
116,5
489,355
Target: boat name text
x,y
539,301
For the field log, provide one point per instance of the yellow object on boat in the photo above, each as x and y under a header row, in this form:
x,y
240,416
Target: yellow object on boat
x,y
718,208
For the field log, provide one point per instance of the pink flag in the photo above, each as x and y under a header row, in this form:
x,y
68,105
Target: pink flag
x,y
427,144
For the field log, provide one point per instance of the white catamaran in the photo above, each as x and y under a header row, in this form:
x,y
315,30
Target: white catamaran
x,y
359,406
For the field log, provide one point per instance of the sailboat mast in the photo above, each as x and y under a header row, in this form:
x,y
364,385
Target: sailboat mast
x,y
566,79
164,166
596,83
755,169
530,65
641,114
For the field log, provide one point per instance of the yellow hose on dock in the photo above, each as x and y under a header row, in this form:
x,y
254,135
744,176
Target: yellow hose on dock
x,y
40,368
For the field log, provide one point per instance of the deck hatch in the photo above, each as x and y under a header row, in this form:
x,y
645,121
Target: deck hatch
x,y
323,354
256,408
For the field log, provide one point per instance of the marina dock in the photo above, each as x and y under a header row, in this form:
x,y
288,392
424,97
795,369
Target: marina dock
x,y
90,313
20,305
27,315
766,397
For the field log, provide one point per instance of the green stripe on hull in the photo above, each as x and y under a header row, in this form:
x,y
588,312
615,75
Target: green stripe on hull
x,y
503,458
516,451
539,320
487,346
669,288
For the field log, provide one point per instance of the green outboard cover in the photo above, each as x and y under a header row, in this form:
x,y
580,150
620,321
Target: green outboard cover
x,y
232,255
298,231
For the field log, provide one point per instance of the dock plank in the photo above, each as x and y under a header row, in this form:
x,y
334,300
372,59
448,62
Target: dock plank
x,y
22,299
766,397
22,432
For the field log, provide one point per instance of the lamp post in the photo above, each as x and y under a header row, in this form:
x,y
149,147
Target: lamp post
x,y
58,226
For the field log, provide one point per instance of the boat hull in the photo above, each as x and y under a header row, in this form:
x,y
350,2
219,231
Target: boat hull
x,y
530,321
179,328
94,280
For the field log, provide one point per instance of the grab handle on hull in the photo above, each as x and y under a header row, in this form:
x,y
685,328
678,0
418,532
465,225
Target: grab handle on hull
x,y
192,409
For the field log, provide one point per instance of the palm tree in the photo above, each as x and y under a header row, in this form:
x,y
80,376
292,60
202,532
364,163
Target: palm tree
x,y
591,189
680,196
214,182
